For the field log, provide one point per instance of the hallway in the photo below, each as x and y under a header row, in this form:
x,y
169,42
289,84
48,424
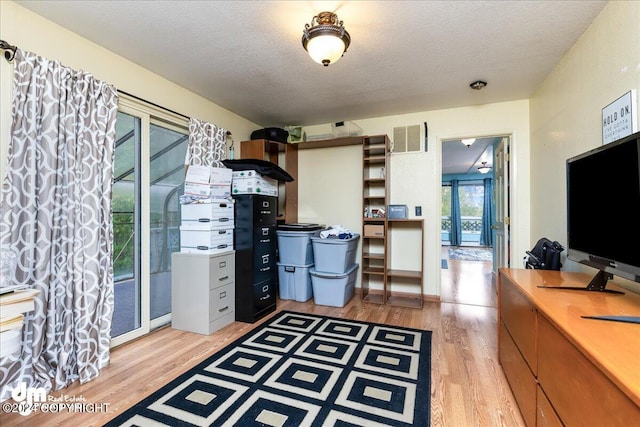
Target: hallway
x,y
467,282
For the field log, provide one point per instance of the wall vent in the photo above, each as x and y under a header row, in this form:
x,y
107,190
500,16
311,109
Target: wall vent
x,y
406,139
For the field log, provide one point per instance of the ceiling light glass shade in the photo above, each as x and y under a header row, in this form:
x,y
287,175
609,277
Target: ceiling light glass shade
x,y
325,39
484,168
468,141
325,49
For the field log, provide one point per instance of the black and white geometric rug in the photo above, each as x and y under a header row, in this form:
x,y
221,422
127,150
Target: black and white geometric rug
x,y
301,370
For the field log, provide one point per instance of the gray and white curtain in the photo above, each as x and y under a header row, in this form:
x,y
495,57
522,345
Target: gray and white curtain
x,y
56,212
207,144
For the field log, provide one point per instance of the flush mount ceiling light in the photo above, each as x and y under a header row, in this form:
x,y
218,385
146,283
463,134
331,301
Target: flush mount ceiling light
x,y
325,39
477,85
468,141
484,168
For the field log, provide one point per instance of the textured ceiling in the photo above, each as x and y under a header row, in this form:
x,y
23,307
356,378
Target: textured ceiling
x,y
405,56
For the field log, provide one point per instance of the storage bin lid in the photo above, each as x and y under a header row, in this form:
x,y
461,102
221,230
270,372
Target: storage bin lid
x,y
300,227
324,275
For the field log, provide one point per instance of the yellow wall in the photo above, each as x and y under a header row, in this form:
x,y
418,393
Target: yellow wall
x,y
566,110
31,32
330,179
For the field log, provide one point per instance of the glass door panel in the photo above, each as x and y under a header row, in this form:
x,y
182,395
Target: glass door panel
x,y
126,214
168,147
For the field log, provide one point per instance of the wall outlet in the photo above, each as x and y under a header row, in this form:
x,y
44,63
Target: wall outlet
x,y
418,210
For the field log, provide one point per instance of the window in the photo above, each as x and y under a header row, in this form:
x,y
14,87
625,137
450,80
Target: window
x,y
471,199
148,179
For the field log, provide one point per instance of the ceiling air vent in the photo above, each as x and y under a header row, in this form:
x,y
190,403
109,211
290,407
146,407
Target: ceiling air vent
x,y
406,139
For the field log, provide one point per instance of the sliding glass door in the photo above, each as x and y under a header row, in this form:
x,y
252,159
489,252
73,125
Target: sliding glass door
x,y
148,179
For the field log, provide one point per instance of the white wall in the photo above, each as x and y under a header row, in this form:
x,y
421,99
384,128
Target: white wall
x,y
566,111
330,179
31,32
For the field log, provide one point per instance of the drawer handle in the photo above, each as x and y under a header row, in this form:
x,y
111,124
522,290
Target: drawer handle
x,y
204,220
202,248
265,288
289,269
222,264
265,259
265,269
223,205
222,231
223,278
223,219
265,297
223,294
223,309
222,246
265,212
265,241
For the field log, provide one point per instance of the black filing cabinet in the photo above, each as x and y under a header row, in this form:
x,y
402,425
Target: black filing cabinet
x,y
256,248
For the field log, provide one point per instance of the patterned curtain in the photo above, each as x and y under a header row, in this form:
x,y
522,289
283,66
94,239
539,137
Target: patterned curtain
x,y
486,237
56,212
455,236
207,144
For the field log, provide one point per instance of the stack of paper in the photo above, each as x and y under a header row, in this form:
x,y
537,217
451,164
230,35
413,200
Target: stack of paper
x,y
12,307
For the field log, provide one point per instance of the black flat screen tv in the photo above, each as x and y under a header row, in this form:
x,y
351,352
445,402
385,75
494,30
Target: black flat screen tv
x,y
603,208
603,211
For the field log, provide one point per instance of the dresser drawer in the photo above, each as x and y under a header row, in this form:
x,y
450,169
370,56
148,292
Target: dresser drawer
x,y
521,380
221,301
580,392
546,416
520,318
222,270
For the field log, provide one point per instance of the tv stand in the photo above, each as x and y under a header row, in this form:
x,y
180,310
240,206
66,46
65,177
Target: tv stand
x,y
597,284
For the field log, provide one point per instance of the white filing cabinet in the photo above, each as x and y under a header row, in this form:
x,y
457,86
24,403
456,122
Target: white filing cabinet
x,y
202,291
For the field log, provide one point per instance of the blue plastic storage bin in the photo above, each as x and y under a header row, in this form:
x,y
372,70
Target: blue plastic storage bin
x,y
333,289
294,282
294,243
333,255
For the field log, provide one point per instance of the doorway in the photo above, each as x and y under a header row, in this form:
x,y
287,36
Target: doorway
x,y
472,246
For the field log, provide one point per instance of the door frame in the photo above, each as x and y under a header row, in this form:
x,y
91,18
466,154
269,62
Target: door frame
x,y
508,185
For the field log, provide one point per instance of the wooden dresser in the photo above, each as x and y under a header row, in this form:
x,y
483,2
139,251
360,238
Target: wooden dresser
x,y
564,369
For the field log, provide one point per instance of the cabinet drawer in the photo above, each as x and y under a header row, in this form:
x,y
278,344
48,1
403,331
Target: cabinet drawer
x,y
546,416
520,319
222,270
221,301
580,392
520,379
264,294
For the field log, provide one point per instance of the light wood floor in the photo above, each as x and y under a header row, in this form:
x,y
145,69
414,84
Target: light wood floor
x,y
468,387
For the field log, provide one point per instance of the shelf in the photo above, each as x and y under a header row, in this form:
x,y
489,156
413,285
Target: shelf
x,y
373,255
372,219
373,270
326,143
410,274
373,298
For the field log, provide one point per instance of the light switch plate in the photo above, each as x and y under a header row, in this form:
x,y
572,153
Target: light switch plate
x,y
418,210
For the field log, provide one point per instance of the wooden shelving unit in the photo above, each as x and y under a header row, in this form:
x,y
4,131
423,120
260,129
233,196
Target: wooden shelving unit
x,y
285,156
375,167
410,278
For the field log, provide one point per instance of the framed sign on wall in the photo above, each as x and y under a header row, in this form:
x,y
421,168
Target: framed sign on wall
x,y
620,119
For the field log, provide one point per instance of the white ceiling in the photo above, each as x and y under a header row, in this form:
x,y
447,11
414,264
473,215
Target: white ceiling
x,y
405,56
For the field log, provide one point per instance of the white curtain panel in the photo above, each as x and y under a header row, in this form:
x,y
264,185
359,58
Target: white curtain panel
x,y
56,212
207,144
